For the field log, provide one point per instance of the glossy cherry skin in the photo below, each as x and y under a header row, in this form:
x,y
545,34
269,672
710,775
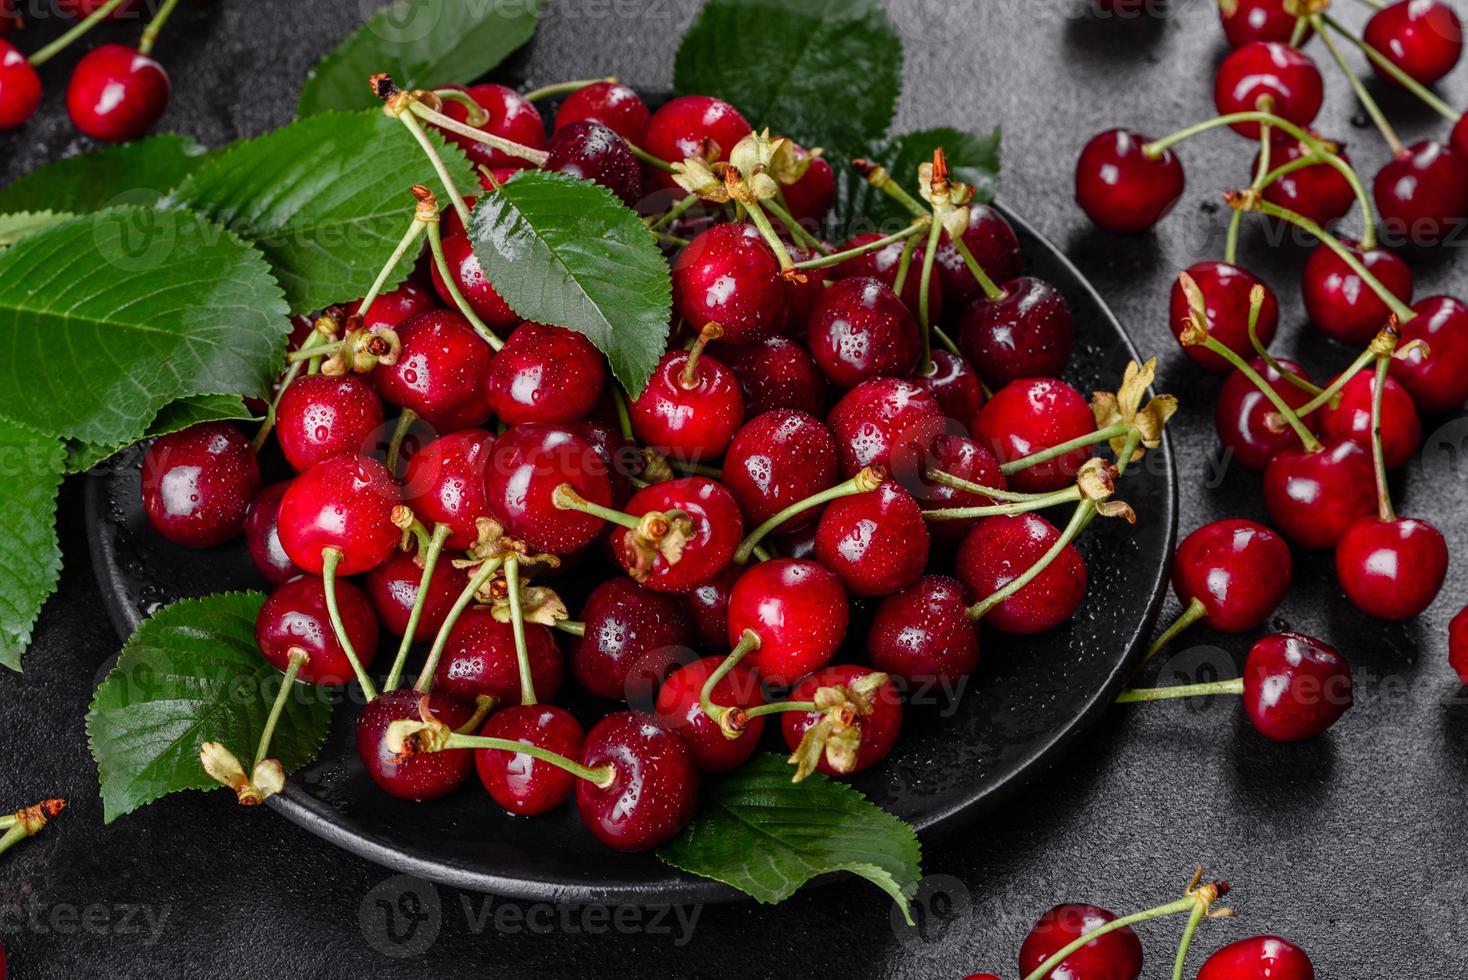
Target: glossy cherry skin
x,y
798,610
861,330
295,616
1340,302
263,538
879,730
708,606
1312,497
528,463
1258,958
1401,430
345,503
923,634
1226,289
654,788
1295,686
1422,195
391,308
1459,141
591,151
1439,382
116,93
1028,333
1268,68
445,484
612,104
1257,20
424,775
876,542
1242,414
813,195
678,707
717,530
632,637
777,459
1391,569
884,264
691,419
545,374
966,459
473,283
1239,570
511,116
776,373
1030,415
623,459
1319,192
523,785
1114,956
393,588
321,416
479,658
680,128
1458,644
1121,188
994,246
85,8
1424,38
439,372
20,87
198,484
884,422
728,275
1000,550
954,384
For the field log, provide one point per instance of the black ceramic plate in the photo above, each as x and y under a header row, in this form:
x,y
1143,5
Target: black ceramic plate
x,y
1030,700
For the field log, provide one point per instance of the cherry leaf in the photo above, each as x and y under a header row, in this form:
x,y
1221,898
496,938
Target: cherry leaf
x,y
133,173
30,476
18,224
173,417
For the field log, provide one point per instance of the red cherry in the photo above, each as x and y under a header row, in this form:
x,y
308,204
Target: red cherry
x,y
714,530
1437,382
421,776
1391,569
393,587
778,373
654,786
1422,195
1258,20
1422,37
1458,644
1123,189
391,308
10,21
1319,192
1258,958
20,87
116,93
445,484
861,330
1401,431
632,637
545,374
728,275
1027,333
523,785
797,609
85,8
479,658
708,605
778,459
344,503
1115,956
811,197
690,409
682,128
1000,550
1268,69
1238,570
923,634
994,246
1226,289
966,459
591,151
1312,497
1030,415
263,538
883,265
1340,302
528,463
1295,686
884,422
678,707
954,384
511,116
879,730
295,616
1459,141
875,542
1242,416
321,416
198,484
612,104
623,460
473,283
439,372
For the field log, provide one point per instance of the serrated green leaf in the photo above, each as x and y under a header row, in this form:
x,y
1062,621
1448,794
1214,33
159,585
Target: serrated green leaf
x,y
824,72
131,174
422,43
173,417
30,476
767,836
17,225
566,252
971,159
192,673
106,319
327,200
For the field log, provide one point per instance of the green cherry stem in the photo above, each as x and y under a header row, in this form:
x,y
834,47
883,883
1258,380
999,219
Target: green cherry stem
x,y
1327,394
952,348
61,43
1236,220
419,226
1194,919
517,627
1390,67
155,27
991,289
796,229
767,231
749,641
1191,613
1383,126
1307,438
439,167
904,264
474,113
1137,695
1110,432
330,558
656,221
663,238
867,480
1297,35
565,88
28,822
296,660
507,147
876,244
993,493
1378,456
878,176
406,418
1269,359
430,557
601,776
571,626
565,497
1079,519
624,415
925,363
645,157
435,244
1183,904
1069,495
483,574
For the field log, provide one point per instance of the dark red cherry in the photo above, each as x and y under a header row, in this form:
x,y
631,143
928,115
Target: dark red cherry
x,y
632,637
1268,70
474,285
1115,956
20,87
802,293
439,372
1437,382
391,308
622,458
728,275
1257,20
886,422
1028,333
1319,192
714,529
1401,430
479,658
591,151
778,373
813,195
678,707
954,384
1246,420
198,484
1295,686
445,484
884,264
994,246
1122,188
545,374
861,330
263,539
1458,644
393,587
1226,290
1000,550
1391,569
528,463
875,542
612,104
797,609
689,411
654,786
10,21
523,785
684,127
1459,141
1239,570
295,616
1030,415
511,116
345,503
966,459
423,775
708,606
321,416
1340,302
116,93
1258,958
879,730
923,634
777,459
1424,38
1422,195
85,8
1312,497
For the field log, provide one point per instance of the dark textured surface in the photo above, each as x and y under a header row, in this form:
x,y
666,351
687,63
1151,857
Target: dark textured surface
x,y
1350,845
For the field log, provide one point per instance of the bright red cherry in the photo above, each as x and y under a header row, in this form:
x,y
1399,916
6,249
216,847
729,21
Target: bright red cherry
x,y
1312,497
709,521
1391,569
445,484
861,330
1030,415
1422,195
1269,70
263,538
591,151
1458,644
116,93
778,459
1437,382
1115,956
1295,686
1246,421
479,658
391,308
878,730
1121,187
994,246
1000,550
886,422
344,503
684,127
545,374
876,542
1226,290
708,605
473,283
524,785
1424,38
612,104
961,457
777,372
439,372
923,633
884,264
1319,192
198,484
632,637
20,87
1401,431
1245,21
1027,333
295,616
691,407
528,463
728,275
1340,302
797,609
393,587
654,785
423,775
1258,958
511,116
678,707
1238,570
813,195
954,384
320,416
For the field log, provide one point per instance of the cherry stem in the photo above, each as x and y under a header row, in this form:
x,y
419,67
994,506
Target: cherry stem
x,y
879,177
1378,454
1079,519
774,707
483,705
1269,359
431,151
507,147
409,239
867,480
1191,613
517,627
1383,126
645,157
1306,437
1297,34
155,26
474,113
1194,918
904,264
952,348
571,626
990,288
689,377
994,493
1069,495
749,641
435,244
1114,431
925,363
1236,220
61,43
297,658
796,229
601,776
1137,695
258,442
565,88
673,213
430,556
28,822
330,558
663,238
876,244
624,417
1328,393
1162,911
435,653
395,444
1381,61
565,497
767,230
